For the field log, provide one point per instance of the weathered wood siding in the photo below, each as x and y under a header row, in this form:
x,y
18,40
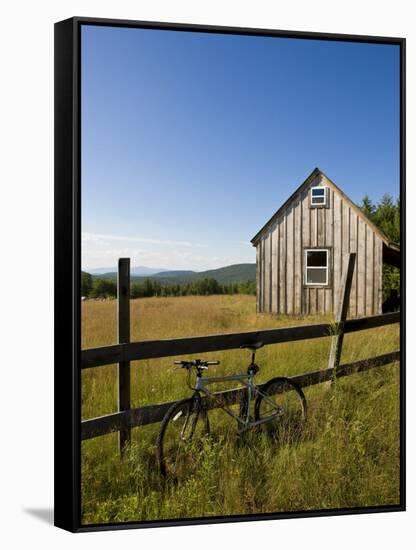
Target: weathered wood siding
x,y
337,227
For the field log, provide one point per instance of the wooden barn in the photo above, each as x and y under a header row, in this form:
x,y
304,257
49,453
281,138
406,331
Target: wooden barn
x,y
302,250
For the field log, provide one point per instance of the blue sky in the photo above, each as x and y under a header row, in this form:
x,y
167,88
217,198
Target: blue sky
x,y
191,141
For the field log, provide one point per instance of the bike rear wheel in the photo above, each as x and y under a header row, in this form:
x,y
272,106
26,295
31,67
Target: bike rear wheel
x,y
282,408
180,440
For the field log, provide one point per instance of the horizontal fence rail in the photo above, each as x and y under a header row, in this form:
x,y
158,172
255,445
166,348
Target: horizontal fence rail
x,y
150,414
125,351
151,349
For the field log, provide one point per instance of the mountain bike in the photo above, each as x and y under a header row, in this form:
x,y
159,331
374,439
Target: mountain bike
x,y
279,403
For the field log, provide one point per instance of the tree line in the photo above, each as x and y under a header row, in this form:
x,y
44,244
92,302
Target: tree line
x,y
385,214
107,288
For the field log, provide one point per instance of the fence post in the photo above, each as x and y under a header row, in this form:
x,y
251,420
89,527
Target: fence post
x,y
341,316
123,333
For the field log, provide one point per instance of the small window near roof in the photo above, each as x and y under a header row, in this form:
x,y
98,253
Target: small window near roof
x,y
316,267
318,196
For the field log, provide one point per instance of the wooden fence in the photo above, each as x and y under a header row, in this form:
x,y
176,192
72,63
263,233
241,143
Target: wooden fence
x,y
125,351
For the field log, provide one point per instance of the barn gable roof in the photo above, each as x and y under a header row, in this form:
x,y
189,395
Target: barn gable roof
x,y
393,247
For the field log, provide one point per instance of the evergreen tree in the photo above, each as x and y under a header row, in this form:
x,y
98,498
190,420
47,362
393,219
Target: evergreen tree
x,y
86,283
386,215
103,288
368,207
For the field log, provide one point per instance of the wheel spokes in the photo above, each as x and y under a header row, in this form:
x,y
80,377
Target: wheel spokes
x,y
182,441
284,408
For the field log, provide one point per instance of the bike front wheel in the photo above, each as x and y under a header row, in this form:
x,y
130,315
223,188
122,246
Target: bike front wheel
x,y
180,440
281,409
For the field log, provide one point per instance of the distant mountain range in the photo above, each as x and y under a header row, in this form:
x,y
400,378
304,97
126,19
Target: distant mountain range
x,y
139,270
230,274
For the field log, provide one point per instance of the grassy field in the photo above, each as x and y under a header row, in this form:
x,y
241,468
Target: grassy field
x,y
347,455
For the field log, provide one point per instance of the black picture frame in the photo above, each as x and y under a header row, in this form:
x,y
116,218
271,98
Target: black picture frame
x,y
68,268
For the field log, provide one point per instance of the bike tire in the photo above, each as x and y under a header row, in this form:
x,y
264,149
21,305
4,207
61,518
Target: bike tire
x,y
174,466
286,426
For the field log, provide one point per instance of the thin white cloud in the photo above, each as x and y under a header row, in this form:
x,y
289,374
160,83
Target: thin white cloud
x,y
95,237
102,250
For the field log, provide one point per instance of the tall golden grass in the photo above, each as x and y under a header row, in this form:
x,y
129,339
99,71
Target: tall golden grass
x,y
347,456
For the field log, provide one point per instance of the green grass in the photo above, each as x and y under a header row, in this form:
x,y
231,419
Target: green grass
x,y
347,456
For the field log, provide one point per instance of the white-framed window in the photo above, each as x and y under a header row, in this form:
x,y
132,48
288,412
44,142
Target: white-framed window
x,y
316,266
319,196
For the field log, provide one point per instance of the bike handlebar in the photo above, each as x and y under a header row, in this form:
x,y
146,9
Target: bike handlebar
x,y
196,363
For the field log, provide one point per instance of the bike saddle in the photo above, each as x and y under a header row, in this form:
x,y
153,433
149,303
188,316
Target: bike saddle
x,y
253,346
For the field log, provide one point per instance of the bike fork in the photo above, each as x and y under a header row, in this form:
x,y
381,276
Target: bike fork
x,y
190,411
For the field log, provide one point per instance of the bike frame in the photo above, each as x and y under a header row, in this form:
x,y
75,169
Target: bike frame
x,y
252,390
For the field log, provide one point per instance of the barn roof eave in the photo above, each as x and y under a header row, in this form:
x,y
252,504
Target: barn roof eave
x,y
315,172
359,212
256,237
392,255
393,246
